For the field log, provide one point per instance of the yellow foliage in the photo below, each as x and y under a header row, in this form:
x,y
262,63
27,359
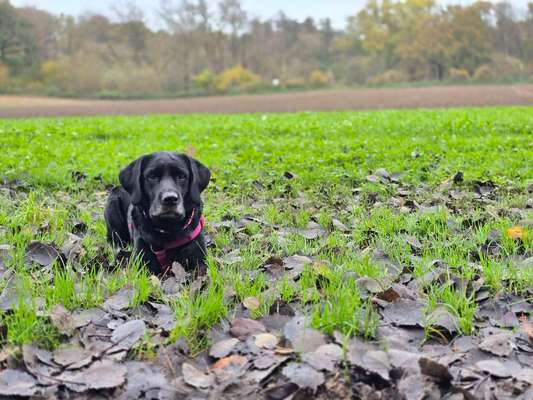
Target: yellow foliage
x,y
318,78
205,79
459,74
390,76
51,69
237,77
294,83
80,73
4,74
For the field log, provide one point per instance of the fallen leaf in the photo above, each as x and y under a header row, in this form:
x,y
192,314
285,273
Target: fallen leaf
x,y
121,299
331,350
434,369
223,348
129,333
179,273
339,225
405,312
9,299
284,351
40,363
165,318
266,341
418,387
493,367
146,381
72,357
526,375
302,338
265,361
281,392
527,327
5,255
241,328
103,374
296,264
72,249
458,178
196,378
414,243
369,285
41,254
319,361
81,318
62,319
312,231
375,361
228,361
441,318
289,175
251,303
304,376
499,344
516,233
17,383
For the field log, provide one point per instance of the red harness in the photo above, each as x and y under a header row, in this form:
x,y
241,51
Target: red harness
x,y
162,255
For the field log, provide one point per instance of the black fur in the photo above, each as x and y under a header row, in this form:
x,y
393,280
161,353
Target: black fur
x,y
157,196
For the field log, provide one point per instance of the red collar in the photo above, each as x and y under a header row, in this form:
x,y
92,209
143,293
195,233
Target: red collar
x,y
162,255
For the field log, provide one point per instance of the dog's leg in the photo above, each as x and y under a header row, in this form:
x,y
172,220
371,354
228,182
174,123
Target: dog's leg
x,y
116,219
142,248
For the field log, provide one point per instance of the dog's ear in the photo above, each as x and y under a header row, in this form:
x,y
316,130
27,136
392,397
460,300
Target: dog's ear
x,y
131,179
199,179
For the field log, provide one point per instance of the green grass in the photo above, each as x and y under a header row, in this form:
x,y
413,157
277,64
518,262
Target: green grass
x,y
330,154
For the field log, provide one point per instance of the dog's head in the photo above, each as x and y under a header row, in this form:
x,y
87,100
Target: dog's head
x,y
166,185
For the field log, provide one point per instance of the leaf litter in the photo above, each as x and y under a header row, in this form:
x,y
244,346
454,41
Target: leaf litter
x,y
282,354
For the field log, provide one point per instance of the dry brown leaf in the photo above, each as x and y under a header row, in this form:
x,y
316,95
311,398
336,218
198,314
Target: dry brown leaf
x,y
251,303
283,351
241,328
527,327
516,233
17,383
223,348
227,361
266,341
196,378
62,319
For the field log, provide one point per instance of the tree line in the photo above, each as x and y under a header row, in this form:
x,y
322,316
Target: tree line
x,y
203,48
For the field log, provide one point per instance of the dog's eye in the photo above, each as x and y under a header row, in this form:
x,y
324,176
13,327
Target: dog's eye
x,y
180,176
152,177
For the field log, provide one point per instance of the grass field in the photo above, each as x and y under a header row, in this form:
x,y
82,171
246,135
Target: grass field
x,y
365,200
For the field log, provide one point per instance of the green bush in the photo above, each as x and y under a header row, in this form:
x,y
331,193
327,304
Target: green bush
x,y
458,74
205,80
484,73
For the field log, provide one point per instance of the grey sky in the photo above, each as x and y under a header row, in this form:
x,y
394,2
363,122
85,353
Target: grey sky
x,y
337,10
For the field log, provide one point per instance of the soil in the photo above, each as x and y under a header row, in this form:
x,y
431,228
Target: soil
x,y
326,100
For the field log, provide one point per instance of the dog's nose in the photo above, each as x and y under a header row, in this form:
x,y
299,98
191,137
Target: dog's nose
x,y
170,198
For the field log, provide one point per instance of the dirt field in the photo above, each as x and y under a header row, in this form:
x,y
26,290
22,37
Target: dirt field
x,y
430,97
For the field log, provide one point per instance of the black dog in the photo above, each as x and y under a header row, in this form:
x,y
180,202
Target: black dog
x,y
159,210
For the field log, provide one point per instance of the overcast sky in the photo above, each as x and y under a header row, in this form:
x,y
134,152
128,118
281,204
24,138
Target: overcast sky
x,y
337,10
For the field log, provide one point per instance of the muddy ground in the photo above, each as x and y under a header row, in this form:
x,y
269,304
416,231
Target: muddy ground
x,y
327,100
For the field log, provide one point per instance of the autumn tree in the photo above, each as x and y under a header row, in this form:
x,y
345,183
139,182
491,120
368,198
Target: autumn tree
x,y
18,49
